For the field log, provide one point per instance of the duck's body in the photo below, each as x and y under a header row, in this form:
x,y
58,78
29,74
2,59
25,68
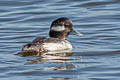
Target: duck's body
x,y
48,44
59,30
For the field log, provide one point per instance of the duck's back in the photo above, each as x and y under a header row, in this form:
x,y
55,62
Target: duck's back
x,y
47,44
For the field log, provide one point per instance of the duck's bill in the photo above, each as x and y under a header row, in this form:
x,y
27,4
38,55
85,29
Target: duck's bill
x,y
75,32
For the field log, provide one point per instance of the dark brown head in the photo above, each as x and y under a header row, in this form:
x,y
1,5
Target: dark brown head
x,y
61,28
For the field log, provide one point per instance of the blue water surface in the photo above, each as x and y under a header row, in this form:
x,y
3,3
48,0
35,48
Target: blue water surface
x,y
95,55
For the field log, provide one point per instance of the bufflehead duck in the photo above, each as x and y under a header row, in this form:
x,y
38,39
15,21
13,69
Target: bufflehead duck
x,y
59,30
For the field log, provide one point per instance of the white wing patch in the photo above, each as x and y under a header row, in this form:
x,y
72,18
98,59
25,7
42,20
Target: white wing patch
x,y
58,28
57,46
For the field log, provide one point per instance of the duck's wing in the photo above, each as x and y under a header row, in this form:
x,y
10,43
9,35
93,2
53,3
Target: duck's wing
x,y
42,44
46,40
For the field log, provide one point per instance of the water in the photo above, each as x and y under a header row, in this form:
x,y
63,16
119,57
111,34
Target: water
x,y
95,55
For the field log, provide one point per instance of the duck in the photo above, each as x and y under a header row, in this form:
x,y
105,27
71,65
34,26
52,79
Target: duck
x,y
59,31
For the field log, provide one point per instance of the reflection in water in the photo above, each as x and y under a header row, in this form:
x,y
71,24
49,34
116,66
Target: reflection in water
x,y
54,57
61,78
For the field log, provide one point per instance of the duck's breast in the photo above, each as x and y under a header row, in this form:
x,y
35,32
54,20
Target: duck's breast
x,y
63,45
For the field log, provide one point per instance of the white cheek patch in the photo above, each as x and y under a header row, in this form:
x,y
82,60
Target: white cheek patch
x,y
58,28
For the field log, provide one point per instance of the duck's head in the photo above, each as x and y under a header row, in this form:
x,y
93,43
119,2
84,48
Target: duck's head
x,y
61,28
